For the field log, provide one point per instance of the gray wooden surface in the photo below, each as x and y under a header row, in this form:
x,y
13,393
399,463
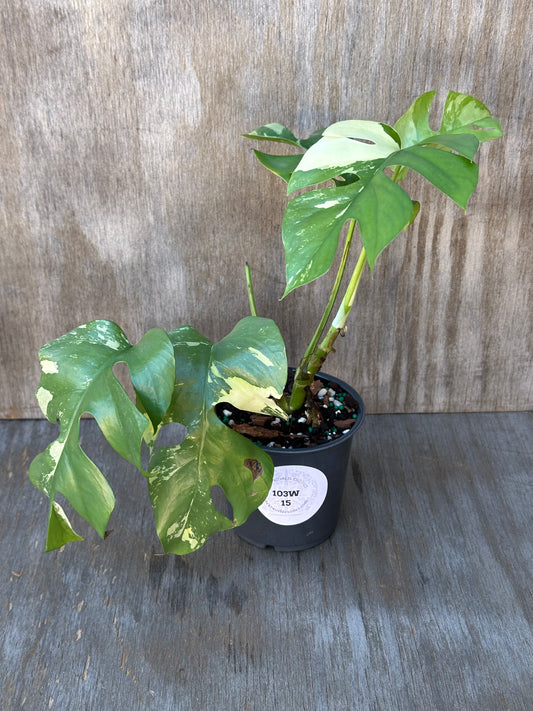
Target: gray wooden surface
x,y
421,601
127,192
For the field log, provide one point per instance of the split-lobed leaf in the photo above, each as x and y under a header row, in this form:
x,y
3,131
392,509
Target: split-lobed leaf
x,y
77,378
366,160
233,370
177,377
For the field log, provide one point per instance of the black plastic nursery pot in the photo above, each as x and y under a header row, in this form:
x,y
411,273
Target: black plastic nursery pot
x,y
303,505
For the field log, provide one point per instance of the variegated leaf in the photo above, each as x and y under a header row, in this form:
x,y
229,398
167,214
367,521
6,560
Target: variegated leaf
x,y
248,369
77,378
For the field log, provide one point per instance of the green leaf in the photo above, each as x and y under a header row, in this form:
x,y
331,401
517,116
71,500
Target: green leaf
x,y
64,468
77,378
454,175
283,166
383,210
463,143
60,531
413,126
416,210
313,138
151,365
462,114
310,230
273,132
313,222
247,368
280,134
465,114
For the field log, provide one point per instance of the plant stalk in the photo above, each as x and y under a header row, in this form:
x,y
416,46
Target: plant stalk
x,y
250,290
316,353
333,296
313,361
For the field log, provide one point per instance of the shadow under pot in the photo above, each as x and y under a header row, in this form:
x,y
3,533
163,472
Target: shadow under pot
x,y
303,505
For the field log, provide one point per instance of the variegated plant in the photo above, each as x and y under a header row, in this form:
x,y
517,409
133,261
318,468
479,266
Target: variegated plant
x,y
366,160
181,376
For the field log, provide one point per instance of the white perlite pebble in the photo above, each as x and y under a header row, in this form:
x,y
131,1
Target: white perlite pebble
x,y
322,393
337,403
226,413
301,420
331,392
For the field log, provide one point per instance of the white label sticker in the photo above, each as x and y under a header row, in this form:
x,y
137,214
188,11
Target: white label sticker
x,y
296,494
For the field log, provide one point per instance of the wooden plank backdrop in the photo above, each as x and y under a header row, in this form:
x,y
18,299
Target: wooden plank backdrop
x,y
128,193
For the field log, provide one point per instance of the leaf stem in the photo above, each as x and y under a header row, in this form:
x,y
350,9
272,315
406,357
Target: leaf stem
x,y
313,360
250,289
316,353
333,296
339,321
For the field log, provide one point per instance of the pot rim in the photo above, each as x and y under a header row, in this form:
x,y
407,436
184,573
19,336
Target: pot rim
x,y
334,442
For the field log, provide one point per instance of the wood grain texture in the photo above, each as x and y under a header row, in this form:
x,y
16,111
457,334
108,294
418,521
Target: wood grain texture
x,y
420,601
128,193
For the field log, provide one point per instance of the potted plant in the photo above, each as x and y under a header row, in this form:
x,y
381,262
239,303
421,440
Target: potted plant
x,y
345,175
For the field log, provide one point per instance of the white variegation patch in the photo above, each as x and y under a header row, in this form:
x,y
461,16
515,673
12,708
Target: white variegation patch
x,y
252,397
174,531
189,537
105,330
364,131
261,357
49,367
44,398
56,450
177,530
328,203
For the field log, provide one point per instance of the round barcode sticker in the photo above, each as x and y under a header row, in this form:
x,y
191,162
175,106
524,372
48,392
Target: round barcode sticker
x,y
296,494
